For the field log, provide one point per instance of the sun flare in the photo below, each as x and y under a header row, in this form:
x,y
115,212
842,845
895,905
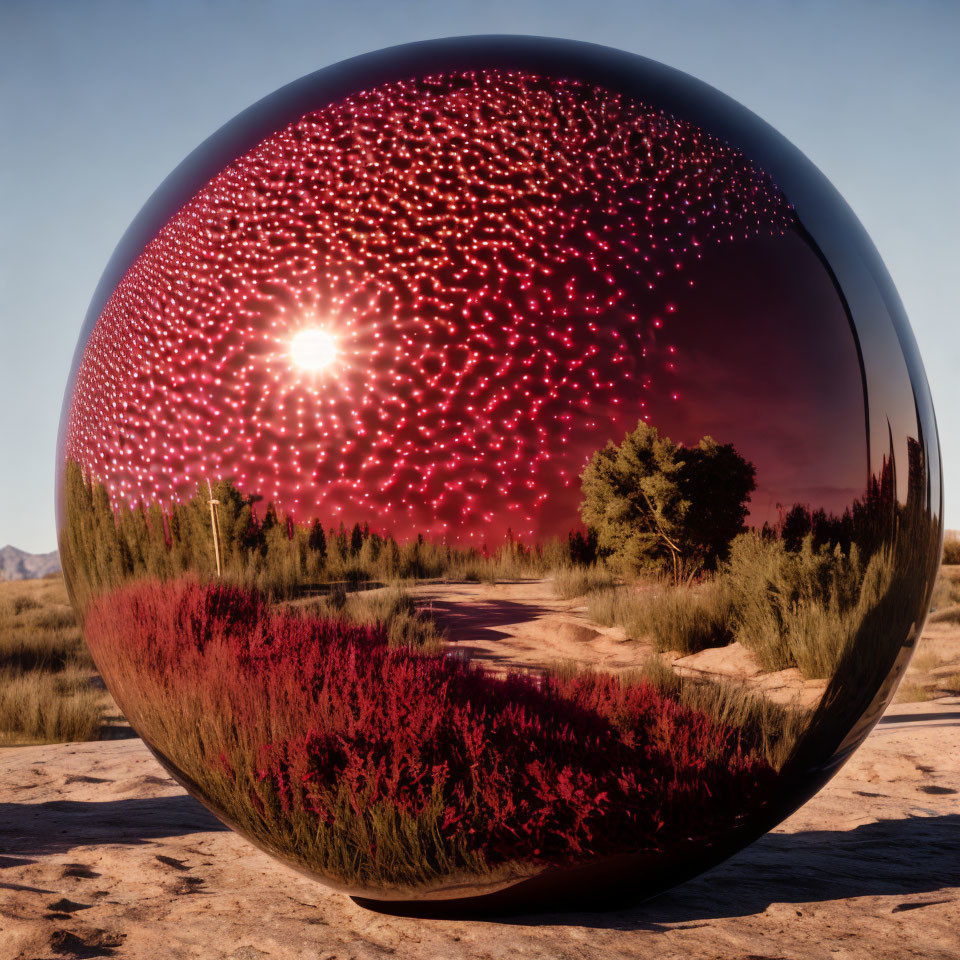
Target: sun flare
x,y
314,349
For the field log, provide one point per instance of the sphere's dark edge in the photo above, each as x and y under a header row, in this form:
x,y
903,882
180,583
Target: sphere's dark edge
x,y
878,323
610,883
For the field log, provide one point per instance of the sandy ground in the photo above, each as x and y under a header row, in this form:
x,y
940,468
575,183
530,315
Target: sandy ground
x,y
102,855
524,624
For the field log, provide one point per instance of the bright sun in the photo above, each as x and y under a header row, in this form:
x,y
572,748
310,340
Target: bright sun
x,y
313,349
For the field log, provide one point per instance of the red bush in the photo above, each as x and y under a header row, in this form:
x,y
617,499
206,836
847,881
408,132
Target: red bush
x,y
524,769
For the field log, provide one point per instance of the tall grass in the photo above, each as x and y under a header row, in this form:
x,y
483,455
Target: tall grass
x,y
382,766
790,608
579,581
48,707
391,610
763,727
686,619
897,588
801,608
45,668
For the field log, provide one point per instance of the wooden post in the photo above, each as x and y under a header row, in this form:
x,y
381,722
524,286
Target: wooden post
x,y
215,528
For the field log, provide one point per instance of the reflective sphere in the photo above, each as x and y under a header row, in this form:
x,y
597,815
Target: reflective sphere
x,y
498,473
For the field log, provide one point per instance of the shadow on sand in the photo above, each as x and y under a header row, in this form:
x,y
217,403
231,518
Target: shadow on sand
x,y
916,855
902,857
477,622
38,829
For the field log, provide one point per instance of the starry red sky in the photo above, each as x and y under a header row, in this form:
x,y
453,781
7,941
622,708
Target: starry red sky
x,y
514,269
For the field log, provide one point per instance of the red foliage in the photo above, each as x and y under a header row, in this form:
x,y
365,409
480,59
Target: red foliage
x,y
538,770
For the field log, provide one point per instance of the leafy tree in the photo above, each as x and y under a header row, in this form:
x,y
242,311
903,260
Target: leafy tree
x,y
715,482
654,503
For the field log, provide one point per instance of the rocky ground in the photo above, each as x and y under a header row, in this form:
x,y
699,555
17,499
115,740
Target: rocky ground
x,y
101,855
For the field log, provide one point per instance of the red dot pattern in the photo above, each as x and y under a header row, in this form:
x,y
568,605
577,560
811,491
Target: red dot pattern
x,y
488,250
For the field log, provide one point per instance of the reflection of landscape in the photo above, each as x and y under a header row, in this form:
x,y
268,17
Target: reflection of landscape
x,y
333,694
370,509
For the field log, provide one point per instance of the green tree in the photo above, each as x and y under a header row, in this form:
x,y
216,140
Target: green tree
x,y
715,482
654,503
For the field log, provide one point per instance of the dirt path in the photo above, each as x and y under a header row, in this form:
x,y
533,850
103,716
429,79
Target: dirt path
x,y
524,624
102,855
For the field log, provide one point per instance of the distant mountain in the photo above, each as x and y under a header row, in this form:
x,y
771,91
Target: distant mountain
x,y
19,565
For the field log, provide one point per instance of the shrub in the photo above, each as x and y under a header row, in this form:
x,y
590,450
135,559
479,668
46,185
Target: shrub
x,y
800,608
951,547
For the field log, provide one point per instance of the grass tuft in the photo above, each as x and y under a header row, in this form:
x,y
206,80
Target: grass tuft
x,y
45,669
686,619
578,581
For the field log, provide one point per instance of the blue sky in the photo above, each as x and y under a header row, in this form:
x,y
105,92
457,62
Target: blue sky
x,y
99,100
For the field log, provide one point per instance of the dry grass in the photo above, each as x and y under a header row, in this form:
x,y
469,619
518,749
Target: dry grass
x,y
925,660
49,707
391,609
910,691
951,548
945,602
46,694
571,582
765,727
685,619
949,686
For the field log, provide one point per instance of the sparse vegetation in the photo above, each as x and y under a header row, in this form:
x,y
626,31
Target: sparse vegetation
x,y
46,695
578,581
684,619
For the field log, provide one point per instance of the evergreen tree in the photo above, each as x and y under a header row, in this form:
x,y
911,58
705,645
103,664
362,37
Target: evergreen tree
x,y
318,542
356,540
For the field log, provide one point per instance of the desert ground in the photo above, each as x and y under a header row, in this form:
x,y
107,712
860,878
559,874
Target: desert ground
x,y
102,855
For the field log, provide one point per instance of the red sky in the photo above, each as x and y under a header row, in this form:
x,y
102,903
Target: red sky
x,y
514,270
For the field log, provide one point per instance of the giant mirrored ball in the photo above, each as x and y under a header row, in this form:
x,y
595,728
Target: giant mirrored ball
x,y
498,473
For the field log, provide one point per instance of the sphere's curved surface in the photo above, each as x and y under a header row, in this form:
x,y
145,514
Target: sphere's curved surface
x,y
499,470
